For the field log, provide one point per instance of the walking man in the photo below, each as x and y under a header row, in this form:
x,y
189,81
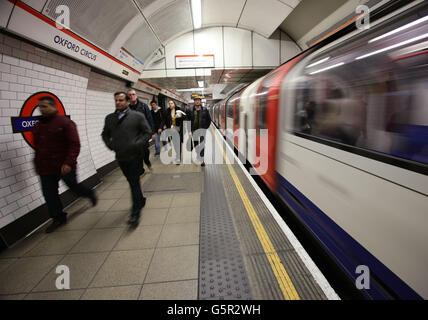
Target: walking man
x,y
126,132
57,146
139,106
158,124
200,119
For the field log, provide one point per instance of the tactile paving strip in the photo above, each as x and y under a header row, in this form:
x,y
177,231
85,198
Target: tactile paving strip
x,y
222,273
259,271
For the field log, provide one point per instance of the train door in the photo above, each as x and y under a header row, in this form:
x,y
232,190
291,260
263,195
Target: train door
x,y
229,118
265,132
216,115
247,105
222,117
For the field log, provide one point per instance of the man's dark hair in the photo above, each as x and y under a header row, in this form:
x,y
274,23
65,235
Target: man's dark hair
x,y
153,101
122,92
48,99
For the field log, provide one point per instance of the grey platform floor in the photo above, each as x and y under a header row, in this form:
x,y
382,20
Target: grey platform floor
x,y
160,259
107,259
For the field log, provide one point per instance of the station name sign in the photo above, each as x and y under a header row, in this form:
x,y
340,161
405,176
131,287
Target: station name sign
x,y
74,47
33,25
194,61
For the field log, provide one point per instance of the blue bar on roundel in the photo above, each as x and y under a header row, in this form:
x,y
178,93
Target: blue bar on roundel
x,y
20,124
24,124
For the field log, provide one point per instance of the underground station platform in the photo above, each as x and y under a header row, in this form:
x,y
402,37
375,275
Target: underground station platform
x,y
205,233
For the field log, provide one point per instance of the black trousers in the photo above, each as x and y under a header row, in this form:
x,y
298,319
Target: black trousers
x,y
50,192
132,170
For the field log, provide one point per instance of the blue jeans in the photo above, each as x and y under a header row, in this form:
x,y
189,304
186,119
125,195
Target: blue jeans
x,y
157,142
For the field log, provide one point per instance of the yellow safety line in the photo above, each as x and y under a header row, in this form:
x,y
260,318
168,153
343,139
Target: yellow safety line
x,y
284,281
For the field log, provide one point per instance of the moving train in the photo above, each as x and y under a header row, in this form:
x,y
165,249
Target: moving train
x,y
347,148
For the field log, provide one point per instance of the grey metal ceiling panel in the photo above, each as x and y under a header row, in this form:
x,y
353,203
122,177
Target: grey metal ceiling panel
x,y
297,24
243,76
142,43
173,20
144,3
98,21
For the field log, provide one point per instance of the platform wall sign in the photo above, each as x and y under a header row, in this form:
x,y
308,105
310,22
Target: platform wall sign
x,y
33,25
172,95
194,61
132,61
25,122
145,87
202,96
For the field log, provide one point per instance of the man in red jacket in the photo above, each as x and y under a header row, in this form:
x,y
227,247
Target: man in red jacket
x,y
57,147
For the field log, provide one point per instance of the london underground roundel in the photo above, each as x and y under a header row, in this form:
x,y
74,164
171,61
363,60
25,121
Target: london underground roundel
x,y
25,122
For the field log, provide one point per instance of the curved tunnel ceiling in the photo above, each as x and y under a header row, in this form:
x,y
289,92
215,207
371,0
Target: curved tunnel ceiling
x,y
143,26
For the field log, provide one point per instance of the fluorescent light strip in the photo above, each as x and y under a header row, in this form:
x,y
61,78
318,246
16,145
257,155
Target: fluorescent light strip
x,y
197,13
328,68
318,62
393,46
411,24
192,89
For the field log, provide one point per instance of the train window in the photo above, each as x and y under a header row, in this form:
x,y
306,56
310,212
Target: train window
x,y
229,108
222,112
237,103
369,93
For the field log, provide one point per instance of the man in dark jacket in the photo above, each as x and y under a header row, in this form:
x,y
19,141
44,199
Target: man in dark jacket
x,y
139,106
200,119
158,124
126,132
57,147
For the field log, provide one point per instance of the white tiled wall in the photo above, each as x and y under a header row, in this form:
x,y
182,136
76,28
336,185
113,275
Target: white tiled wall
x,y
99,105
24,70
100,102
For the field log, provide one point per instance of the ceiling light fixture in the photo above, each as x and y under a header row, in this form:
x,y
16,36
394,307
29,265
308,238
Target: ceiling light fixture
x,y
192,89
197,13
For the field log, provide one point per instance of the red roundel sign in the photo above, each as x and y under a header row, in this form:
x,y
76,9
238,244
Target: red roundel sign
x,y
25,122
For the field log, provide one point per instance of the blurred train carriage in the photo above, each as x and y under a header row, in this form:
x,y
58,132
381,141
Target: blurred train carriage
x,y
348,147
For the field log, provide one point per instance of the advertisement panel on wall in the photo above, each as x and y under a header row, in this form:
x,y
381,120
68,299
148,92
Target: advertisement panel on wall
x,y
194,61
